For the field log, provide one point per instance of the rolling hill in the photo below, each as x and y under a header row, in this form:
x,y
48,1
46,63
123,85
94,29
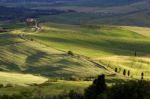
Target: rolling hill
x,y
39,61
78,40
97,50
20,54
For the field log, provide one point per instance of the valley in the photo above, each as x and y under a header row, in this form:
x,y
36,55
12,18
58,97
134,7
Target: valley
x,y
53,49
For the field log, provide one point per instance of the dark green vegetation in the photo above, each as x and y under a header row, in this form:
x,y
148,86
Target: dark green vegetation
x,y
128,90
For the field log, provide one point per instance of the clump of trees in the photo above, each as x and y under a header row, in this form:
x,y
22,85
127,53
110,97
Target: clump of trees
x,y
127,90
125,72
97,89
130,90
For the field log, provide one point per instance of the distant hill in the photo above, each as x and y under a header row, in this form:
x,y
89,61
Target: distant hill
x,y
116,12
79,2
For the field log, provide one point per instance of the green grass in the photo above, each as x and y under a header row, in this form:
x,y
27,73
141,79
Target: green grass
x,y
20,79
51,88
101,43
47,55
23,61
36,58
95,42
141,30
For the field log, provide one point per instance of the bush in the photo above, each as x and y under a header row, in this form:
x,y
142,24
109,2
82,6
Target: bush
x,y
70,53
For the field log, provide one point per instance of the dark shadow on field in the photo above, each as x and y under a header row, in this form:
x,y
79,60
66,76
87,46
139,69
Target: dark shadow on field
x,y
116,46
8,66
8,39
50,71
54,67
35,57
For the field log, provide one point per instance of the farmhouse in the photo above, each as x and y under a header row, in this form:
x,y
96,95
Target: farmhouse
x,y
31,22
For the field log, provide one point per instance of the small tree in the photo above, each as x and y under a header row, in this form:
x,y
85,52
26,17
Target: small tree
x,y
124,72
116,70
135,53
142,76
128,72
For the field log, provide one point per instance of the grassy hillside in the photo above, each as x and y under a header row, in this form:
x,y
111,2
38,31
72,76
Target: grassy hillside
x,y
20,54
50,88
141,30
31,58
97,50
20,79
105,44
94,41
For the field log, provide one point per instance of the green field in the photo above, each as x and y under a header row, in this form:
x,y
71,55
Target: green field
x,y
100,43
20,79
51,88
98,49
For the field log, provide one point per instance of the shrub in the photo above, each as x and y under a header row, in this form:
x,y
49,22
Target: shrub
x,y
70,53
